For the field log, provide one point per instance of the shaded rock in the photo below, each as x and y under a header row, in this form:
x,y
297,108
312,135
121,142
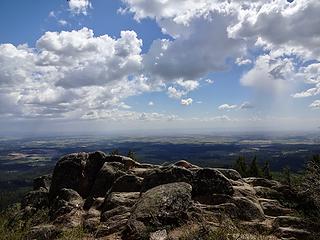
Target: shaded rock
x,y
127,183
289,221
209,181
126,161
66,205
76,171
274,208
106,176
71,219
115,199
91,224
265,192
166,175
213,199
43,232
228,209
42,182
113,224
113,212
288,232
163,205
244,191
248,210
142,172
36,199
230,173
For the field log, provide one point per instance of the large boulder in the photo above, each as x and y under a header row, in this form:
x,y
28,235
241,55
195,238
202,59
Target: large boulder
x,y
166,175
76,171
204,181
105,178
209,181
127,183
163,205
248,210
230,173
67,208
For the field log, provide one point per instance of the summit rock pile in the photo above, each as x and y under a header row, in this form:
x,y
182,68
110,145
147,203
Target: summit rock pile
x,y
115,197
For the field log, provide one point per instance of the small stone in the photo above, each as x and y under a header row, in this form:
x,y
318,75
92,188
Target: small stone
x,y
159,235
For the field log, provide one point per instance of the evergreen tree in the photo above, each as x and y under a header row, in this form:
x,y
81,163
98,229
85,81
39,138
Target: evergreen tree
x,y
287,176
311,180
132,155
266,170
254,170
115,152
241,166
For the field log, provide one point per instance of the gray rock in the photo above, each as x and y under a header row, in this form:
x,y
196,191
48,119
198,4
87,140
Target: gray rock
x,y
115,199
163,205
262,182
248,210
42,182
105,178
76,171
185,164
209,181
266,192
274,208
36,199
127,183
166,175
67,205
126,161
230,173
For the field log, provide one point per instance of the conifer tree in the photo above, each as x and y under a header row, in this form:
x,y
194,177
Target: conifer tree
x,y
254,170
115,152
266,170
287,176
131,155
241,166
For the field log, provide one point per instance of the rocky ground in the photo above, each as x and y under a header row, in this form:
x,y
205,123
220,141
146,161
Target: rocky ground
x,y
115,197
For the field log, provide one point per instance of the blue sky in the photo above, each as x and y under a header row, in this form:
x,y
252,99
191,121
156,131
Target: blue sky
x,y
152,64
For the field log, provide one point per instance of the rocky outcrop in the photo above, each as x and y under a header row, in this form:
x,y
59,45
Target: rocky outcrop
x,y
162,205
115,197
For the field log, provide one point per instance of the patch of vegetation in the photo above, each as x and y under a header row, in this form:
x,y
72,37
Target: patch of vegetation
x,y
73,234
14,226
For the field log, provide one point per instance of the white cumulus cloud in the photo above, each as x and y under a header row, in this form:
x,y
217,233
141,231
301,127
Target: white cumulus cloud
x,y
227,107
79,6
186,102
315,104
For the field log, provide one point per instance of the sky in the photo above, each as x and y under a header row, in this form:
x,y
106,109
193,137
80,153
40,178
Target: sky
x,y
83,66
